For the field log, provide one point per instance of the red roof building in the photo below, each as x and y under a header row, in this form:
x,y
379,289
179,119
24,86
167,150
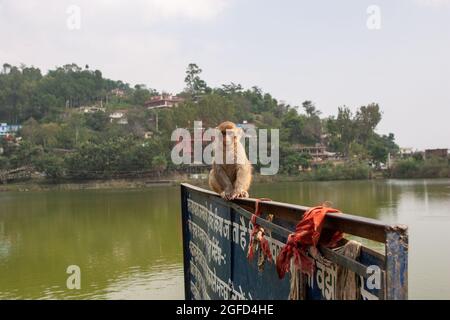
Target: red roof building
x,y
163,101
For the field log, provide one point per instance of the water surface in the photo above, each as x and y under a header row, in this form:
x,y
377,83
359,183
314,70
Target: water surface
x,y
127,243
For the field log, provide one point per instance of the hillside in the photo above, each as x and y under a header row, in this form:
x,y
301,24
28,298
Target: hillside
x,y
69,131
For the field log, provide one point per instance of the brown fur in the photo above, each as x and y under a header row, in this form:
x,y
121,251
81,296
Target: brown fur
x,y
231,180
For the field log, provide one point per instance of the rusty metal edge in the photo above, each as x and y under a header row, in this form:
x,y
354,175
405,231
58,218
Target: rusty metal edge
x,y
359,226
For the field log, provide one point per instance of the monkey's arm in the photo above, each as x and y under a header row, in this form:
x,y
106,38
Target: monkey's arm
x,y
220,182
243,180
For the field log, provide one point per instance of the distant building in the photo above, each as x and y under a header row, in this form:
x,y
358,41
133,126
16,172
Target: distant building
x,y
118,92
405,152
119,116
148,135
318,153
163,101
92,109
436,153
11,129
248,128
122,121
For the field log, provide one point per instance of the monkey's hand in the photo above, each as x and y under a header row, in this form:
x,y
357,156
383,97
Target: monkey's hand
x,y
239,193
227,195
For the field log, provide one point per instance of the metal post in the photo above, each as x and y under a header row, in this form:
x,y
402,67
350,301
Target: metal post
x,y
396,263
184,219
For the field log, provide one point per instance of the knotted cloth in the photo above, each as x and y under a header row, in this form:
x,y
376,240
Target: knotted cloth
x,y
257,235
308,233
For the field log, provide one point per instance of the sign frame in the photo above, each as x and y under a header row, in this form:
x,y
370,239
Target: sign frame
x,y
393,263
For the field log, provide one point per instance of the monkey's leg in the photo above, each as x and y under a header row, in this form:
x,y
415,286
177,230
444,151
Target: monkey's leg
x,y
213,183
220,183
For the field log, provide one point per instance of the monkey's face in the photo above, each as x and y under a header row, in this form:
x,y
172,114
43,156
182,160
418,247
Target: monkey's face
x,y
230,133
228,137
231,136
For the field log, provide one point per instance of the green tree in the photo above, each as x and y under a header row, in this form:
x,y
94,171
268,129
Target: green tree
x,y
341,130
48,135
232,89
295,161
159,164
291,127
366,120
379,147
141,94
194,84
310,109
51,165
312,128
97,121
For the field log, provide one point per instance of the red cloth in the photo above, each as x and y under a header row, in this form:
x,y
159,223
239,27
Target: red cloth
x,y
307,233
256,228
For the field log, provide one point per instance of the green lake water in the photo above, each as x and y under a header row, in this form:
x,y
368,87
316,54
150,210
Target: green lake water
x,y
127,243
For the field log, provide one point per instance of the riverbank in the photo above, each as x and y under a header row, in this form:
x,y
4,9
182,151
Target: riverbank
x,y
45,185
42,184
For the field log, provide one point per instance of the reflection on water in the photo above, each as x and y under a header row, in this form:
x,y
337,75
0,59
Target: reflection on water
x,y
161,282
128,242
423,205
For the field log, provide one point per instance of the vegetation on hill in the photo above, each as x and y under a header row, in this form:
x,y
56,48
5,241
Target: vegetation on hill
x,y
62,142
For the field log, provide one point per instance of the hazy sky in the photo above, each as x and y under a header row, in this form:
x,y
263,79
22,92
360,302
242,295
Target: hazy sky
x,y
297,50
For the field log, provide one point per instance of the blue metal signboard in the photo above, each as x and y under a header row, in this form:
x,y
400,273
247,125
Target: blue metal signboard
x,y
215,241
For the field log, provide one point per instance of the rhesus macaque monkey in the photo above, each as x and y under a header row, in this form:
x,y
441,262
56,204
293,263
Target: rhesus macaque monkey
x,y
232,176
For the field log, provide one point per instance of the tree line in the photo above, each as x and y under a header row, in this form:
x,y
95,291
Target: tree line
x,y
62,142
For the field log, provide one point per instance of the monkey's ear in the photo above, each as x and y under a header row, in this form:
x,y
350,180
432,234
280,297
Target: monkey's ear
x,y
239,132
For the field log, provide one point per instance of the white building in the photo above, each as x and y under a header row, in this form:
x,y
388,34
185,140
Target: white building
x,y
92,109
6,129
248,128
163,101
119,116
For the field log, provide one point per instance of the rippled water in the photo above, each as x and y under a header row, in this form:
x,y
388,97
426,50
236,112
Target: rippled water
x,y
127,243
423,205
